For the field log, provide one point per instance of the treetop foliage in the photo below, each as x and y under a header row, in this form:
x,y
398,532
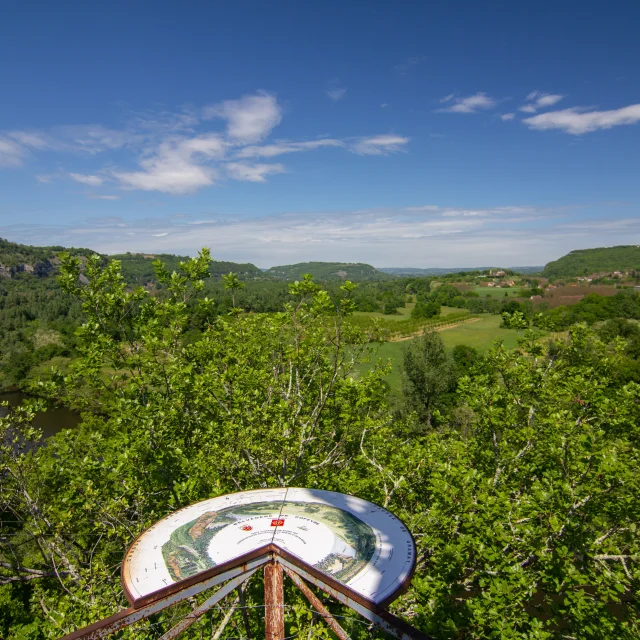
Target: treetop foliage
x,y
516,472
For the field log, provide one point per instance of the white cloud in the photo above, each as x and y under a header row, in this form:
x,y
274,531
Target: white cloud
x,y
336,93
423,236
92,139
174,156
91,181
507,116
33,139
177,166
284,146
379,145
548,100
448,98
458,212
470,104
384,105
102,197
11,153
249,119
424,207
538,100
252,172
44,178
578,120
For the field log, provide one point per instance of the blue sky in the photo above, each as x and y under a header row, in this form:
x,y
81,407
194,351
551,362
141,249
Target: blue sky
x,y
399,134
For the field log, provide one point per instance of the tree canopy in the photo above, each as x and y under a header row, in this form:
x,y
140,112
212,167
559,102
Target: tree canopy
x,y
583,262
522,495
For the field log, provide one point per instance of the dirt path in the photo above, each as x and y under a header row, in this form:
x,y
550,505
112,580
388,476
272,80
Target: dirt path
x,y
419,333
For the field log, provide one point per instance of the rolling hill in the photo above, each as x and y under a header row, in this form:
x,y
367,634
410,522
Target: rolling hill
x,y
356,271
584,262
137,268
442,271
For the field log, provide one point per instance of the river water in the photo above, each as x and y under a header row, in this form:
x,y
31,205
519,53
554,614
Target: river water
x,y
50,421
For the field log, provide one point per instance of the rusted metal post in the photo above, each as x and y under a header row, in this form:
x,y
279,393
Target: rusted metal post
x,y
274,601
317,604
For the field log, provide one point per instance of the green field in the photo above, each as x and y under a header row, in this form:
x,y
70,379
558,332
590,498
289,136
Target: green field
x,y
492,292
403,313
480,334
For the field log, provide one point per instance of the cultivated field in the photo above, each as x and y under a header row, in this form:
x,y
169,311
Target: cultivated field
x,y
492,292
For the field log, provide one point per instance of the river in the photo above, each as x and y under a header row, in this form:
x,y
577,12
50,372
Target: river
x,y
50,421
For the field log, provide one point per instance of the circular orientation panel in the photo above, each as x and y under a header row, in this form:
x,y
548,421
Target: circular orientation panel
x,y
356,542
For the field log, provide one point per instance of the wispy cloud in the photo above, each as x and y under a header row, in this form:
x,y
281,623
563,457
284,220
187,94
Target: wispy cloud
x,y
252,172
507,116
284,146
537,100
470,104
448,98
423,235
31,139
91,181
11,153
172,152
94,196
579,120
402,68
379,145
336,94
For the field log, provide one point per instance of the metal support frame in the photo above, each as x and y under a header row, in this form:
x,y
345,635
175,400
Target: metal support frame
x,y
195,615
128,616
383,619
237,572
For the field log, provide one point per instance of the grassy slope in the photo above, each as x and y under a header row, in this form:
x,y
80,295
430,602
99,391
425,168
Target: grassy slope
x,y
403,313
480,334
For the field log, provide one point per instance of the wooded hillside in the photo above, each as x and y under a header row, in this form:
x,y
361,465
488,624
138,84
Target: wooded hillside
x,y
356,271
584,262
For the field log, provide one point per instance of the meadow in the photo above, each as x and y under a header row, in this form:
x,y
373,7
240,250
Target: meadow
x,y
481,334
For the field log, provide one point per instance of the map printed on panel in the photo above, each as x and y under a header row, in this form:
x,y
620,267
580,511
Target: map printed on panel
x,y
354,541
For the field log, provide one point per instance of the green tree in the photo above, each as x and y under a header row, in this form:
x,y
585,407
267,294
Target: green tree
x,y
428,373
424,309
233,283
255,401
390,308
528,518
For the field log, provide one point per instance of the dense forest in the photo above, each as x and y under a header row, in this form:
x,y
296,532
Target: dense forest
x,y
327,271
584,262
515,470
137,268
